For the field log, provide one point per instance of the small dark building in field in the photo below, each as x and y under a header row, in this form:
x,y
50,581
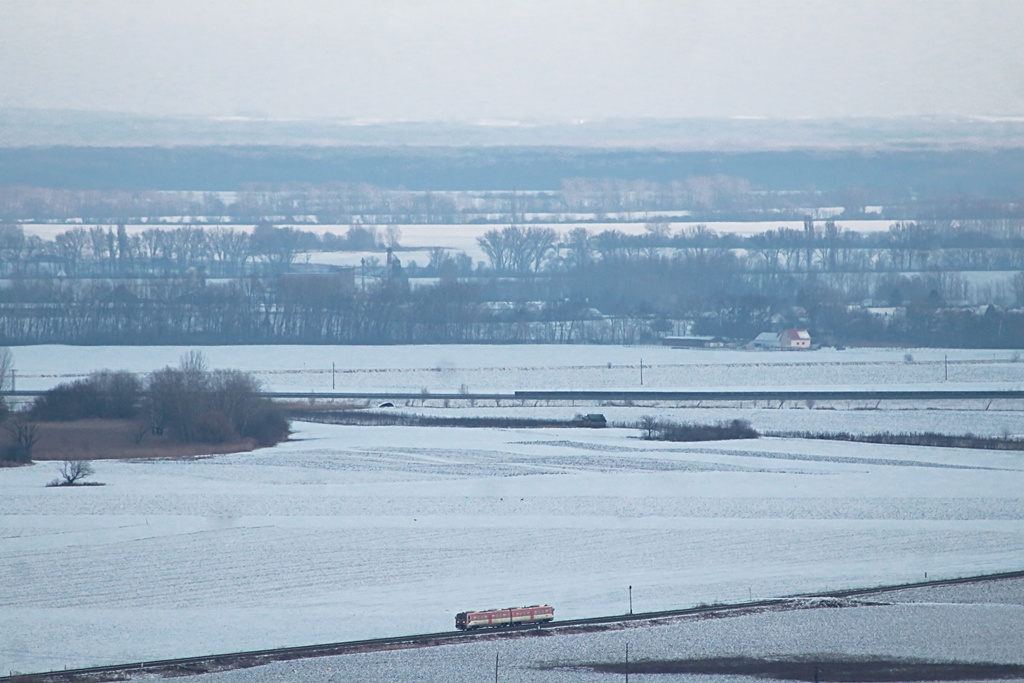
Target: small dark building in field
x,y
595,420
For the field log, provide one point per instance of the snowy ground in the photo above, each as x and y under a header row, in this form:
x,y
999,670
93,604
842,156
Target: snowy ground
x,y
966,624
355,532
505,369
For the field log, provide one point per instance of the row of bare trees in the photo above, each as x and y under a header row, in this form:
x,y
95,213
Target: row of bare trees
x,y
828,247
516,249
219,251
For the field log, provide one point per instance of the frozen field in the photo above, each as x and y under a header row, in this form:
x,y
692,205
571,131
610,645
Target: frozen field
x,y
355,532
428,370
967,624
483,368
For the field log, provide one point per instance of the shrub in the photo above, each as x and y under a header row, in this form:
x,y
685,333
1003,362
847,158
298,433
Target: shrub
x,y
196,405
678,431
15,452
268,426
103,394
214,427
25,435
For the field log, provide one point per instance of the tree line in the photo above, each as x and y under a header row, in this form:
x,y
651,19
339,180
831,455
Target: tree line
x,y
537,286
227,252
217,252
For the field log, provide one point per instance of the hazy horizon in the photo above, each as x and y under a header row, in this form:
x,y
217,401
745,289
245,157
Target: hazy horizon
x,y
530,61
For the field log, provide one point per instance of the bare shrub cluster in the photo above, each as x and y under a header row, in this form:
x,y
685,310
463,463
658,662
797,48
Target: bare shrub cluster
x,y
667,430
190,403
23,436
104,394
220,406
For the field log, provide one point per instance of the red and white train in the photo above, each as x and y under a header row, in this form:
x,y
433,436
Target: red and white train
x,y
511,616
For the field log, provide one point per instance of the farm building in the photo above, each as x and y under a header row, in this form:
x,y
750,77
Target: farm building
x,y
694,342
766,340
795,339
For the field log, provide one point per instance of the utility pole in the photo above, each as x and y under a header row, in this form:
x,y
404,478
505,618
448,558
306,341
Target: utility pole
x,y
332,376
627,662
630,599
641,372
495,667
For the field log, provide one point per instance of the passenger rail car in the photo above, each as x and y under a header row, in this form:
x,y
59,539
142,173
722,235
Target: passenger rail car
x,y
510,616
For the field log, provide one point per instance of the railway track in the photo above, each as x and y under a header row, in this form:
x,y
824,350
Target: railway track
x,y
240,660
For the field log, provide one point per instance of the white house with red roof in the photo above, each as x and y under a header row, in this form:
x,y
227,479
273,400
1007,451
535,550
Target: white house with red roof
x,y
795,339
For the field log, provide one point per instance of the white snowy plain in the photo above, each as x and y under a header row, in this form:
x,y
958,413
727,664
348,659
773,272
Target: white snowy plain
x,y
439,369
967,623
355,532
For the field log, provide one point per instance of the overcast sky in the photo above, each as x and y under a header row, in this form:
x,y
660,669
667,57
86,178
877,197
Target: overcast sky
x,y
526,59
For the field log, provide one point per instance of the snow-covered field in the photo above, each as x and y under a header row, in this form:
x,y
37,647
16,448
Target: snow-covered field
x,y
508,368
354,532
425,370
968,624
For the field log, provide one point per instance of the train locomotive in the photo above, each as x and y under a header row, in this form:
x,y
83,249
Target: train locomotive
x,y
510,616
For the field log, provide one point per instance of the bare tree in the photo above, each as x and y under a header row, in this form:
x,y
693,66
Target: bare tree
x,y
72,471
649,424
231,249
580,248
25,435
539,243
70,247
493,244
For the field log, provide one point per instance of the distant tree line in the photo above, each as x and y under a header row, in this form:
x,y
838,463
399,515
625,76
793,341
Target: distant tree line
x,y
267,249
162,252
750,190
536,286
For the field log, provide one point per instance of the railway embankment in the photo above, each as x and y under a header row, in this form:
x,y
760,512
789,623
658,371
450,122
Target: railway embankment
x,y
241,660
